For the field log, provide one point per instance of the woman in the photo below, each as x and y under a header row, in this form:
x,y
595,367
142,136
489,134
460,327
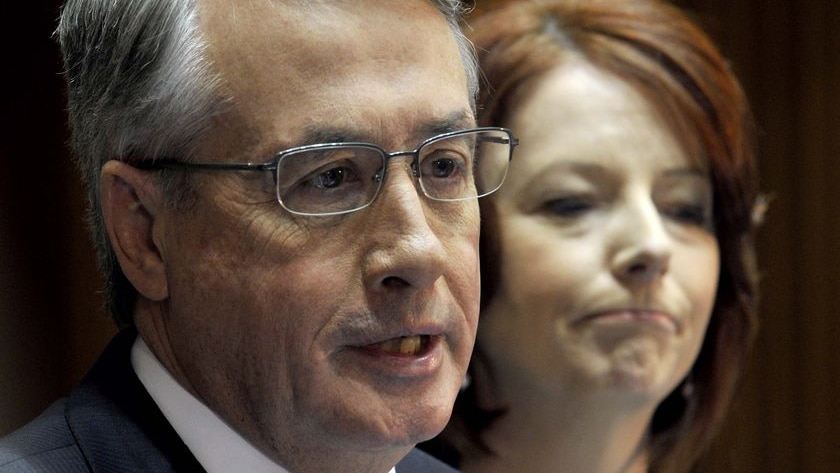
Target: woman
x,y
618,281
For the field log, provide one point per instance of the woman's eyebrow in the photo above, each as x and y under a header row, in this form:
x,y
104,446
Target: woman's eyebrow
x,y
688,171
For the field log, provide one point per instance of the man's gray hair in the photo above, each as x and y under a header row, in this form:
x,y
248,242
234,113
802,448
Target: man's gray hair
x,y
140,87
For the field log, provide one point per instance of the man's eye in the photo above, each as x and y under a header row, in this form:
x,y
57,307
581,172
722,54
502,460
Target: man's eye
x,y
444,163
443,167
331,178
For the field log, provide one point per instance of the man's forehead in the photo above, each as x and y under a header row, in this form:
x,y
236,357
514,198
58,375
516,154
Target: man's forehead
x,y
321,37
367,73
290,16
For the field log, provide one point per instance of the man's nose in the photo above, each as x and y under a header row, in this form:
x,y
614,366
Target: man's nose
x,y
408,250
643,247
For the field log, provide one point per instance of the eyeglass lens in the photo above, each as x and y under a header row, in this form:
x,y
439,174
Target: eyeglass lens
x,y
340,178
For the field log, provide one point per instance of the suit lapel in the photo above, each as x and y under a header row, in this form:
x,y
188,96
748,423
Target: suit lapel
x,y
117,424
119,428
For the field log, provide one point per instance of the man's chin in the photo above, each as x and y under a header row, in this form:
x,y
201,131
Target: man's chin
x,y
405,428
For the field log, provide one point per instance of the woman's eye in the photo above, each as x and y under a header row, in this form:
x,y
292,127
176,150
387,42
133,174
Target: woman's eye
x,y
568,206
690,214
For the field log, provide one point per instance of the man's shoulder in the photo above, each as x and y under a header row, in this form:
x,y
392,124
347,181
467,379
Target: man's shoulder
x,y
44,445
418,461
108,423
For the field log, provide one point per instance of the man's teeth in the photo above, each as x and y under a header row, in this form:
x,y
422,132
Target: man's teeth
x,y
404,345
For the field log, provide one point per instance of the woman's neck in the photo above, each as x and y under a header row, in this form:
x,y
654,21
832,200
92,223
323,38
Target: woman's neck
x,y
586,435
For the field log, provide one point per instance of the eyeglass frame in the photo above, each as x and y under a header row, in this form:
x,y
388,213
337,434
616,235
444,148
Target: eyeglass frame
x,y
273,163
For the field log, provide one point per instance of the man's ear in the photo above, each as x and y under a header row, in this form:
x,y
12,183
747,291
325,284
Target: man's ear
x,y
131,205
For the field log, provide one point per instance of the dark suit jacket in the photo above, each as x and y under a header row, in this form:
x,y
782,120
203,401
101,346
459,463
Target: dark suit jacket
x,y
109,424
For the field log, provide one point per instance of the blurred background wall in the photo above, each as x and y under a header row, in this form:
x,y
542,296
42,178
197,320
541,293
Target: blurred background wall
x,y
51,321
787,53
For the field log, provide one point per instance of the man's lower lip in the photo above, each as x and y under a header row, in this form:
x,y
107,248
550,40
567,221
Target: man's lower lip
x,y
389,360
410,346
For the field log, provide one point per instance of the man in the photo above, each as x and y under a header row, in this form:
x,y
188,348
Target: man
x,y
301,306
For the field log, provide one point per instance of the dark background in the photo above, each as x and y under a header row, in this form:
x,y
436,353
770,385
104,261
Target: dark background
x,y
787,54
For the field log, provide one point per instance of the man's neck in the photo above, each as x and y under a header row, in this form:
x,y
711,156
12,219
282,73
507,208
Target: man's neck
x,y
216,446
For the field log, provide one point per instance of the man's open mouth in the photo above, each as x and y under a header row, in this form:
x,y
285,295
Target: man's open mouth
x,y
413,345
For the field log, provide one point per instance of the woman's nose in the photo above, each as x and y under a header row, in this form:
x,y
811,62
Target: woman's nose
x,y
642,250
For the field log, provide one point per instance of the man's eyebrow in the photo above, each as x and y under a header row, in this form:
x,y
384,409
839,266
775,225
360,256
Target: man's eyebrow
x,y
317,134
337,134
453,122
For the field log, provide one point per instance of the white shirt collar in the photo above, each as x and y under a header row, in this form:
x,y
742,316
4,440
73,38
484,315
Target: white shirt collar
x,y
216,446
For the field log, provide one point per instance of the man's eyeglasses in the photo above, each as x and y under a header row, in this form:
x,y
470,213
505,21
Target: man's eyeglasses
x,y
339,178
